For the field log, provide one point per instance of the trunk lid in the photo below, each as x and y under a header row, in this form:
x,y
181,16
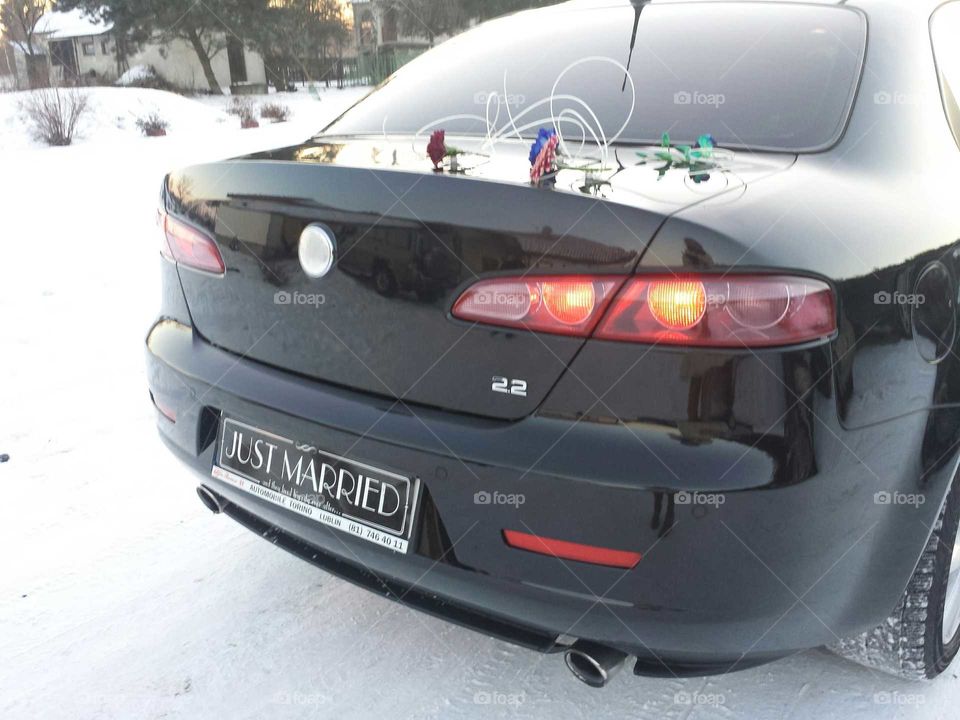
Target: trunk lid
x,y
408,242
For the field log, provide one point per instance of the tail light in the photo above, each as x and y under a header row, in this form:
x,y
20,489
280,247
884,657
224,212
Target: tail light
x,y
191,247
732,311
569,305
697,311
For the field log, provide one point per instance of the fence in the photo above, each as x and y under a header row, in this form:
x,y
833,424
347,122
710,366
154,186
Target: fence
x,y
367,69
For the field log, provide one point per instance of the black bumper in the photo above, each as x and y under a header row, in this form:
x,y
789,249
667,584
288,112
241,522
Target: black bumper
x,y
774,569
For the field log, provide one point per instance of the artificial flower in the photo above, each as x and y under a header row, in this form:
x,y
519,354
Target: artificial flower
x,y
543,137
545,163
437,148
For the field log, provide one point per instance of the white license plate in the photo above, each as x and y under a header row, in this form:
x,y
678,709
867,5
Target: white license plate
x,y
369,503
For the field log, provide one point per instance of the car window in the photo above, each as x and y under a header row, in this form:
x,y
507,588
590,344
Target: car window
x,y
772,76
945,28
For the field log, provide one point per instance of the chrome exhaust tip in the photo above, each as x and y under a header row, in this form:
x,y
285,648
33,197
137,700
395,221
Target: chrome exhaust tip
x,y
592,663
210,500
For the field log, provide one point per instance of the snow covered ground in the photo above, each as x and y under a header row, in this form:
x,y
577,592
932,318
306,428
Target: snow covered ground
x,y
114,113
121,597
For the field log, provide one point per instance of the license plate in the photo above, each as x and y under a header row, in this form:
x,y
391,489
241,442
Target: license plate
x,y
367,502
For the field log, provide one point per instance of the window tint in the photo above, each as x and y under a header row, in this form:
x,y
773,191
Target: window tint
x,y
946,45
764,76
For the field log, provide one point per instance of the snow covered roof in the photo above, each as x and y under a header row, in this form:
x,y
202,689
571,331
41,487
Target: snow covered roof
x,y
72,23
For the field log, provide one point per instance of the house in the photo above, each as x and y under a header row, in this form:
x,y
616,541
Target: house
x,y
382,46
73,47
77,46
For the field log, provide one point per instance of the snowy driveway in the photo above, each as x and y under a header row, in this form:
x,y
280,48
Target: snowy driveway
x,y
120,596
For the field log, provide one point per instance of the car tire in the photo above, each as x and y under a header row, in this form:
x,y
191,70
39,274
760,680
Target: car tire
x,y
384,281
911,643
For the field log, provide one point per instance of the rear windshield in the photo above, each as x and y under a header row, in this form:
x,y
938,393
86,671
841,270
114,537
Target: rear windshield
x,y
753,75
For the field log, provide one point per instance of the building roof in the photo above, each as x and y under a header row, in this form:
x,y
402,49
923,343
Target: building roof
x,y
69,24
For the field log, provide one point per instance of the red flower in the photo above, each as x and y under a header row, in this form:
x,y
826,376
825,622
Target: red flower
x,y
437,149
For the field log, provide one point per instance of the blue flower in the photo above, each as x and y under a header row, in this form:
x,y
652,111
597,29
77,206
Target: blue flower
x,y
543,137
706,142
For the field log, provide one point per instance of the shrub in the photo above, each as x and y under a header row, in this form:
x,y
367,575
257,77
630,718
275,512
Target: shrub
x,y
153,125
146,76
240,106
54,114
277,112
243,108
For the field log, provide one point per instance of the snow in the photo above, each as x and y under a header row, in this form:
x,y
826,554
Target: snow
x,y
138,73
121,597
71,23
114,113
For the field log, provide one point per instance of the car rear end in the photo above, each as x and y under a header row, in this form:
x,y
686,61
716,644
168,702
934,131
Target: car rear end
x,y
486,408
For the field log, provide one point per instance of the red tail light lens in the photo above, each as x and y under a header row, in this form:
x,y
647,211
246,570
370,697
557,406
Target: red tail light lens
x,y
732,311
191,247
561,305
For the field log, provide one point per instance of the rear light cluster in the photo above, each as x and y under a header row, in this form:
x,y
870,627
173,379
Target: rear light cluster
x,y
561,305
698,311
189,246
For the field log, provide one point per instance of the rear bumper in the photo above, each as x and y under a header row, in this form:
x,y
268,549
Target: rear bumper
x,y
752,571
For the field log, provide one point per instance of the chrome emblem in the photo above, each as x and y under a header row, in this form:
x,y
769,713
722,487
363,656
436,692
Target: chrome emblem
x,y
317,251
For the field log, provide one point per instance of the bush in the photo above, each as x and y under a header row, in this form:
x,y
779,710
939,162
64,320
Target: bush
x,y
146,76
153,125
277,112
54,114
243,108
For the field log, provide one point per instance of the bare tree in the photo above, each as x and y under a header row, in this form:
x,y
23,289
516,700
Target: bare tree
x,y
20,18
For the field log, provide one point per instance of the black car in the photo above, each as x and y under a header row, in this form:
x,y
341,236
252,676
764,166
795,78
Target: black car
x,y
613,328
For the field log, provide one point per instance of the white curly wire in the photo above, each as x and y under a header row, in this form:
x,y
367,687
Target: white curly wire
x,y
585,129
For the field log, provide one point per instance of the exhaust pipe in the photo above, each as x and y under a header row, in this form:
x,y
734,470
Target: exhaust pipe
x,y
210,501
592,663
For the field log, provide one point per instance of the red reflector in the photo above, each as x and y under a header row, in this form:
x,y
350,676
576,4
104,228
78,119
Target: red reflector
x,y
168,412
733,311
571,551
191,247
569,305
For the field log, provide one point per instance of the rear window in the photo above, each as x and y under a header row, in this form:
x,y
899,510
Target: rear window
x,y
754,75
946,31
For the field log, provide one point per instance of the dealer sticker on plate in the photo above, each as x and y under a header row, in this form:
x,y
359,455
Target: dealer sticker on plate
x,y
373,504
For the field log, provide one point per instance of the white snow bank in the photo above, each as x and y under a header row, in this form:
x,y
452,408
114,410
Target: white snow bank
x,y
136,74
113,115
